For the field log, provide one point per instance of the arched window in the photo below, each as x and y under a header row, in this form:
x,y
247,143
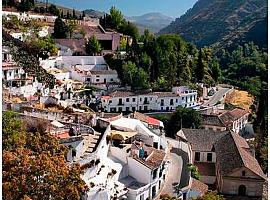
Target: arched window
x,y
242,190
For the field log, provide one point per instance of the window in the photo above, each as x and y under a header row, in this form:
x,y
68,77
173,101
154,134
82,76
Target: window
x,y
171,102
88,79
140,99
127,109
127,99
120,109
183,98
10,73
133,99
142,197
176,100
155,174
97,75
133,109
162,102
243,173
97,80
111,79
209,157
140,108
197,156
110,101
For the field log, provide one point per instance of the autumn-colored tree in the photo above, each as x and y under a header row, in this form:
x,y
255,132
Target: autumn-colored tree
x,y
212,195
34,165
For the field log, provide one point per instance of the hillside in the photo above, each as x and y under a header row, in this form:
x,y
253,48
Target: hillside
x,y
222,22
152,21
94,13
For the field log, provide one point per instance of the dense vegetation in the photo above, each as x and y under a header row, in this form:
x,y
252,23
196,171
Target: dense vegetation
x,y
245,67
34,165
164,61
26,56
222,23
115,20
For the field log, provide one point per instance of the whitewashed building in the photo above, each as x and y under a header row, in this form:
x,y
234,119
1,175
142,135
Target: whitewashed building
x,y
86,69
124,101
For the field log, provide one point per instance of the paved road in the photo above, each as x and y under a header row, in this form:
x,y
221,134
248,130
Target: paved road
x,y
216,97
174,175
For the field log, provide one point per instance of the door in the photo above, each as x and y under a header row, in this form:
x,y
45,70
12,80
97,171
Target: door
x,y
242,190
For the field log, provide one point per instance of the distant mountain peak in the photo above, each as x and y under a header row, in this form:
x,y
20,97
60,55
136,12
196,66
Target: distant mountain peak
x,y
154,21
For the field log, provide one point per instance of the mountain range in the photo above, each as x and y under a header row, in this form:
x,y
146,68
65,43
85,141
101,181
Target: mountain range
x,y
223,22
153,21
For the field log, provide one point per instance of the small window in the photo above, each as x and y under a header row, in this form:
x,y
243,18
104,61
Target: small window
x,y
127,99
97,80
209,157
176,100
183,98
133,99
197,156
97,75
110,101
111,79
127,109
243,173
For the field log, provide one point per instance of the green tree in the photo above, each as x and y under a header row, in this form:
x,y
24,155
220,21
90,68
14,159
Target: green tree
x,y
215,70
194,171
71,26
93,46
74,16
185,117
116,17
60,28
46,47
54,10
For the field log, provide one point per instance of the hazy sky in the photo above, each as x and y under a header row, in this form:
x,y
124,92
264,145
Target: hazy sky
x,y
173,8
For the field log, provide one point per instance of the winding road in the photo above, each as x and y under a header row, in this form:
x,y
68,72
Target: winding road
x,y
218,96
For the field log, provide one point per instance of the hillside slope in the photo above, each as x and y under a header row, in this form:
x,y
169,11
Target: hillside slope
x,y
222,22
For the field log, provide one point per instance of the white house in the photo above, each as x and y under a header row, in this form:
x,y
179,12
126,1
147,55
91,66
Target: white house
x,y
87,69
124,101
27,16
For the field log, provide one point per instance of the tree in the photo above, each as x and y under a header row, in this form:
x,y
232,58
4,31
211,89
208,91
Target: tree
x,y
25,6
54,10
92,46
71,26
215,70
116,17
185,118
74,16
34,165
60,28
135,77
212,195
194,171
45,47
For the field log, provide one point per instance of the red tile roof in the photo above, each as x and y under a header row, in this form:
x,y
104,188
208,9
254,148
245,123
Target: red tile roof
x,y
147,119
199,186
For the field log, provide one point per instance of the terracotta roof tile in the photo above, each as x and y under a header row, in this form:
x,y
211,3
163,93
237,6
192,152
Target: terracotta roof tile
x,y
147,119
199,186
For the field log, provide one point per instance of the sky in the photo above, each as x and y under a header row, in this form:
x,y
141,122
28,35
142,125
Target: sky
x,y
172,8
